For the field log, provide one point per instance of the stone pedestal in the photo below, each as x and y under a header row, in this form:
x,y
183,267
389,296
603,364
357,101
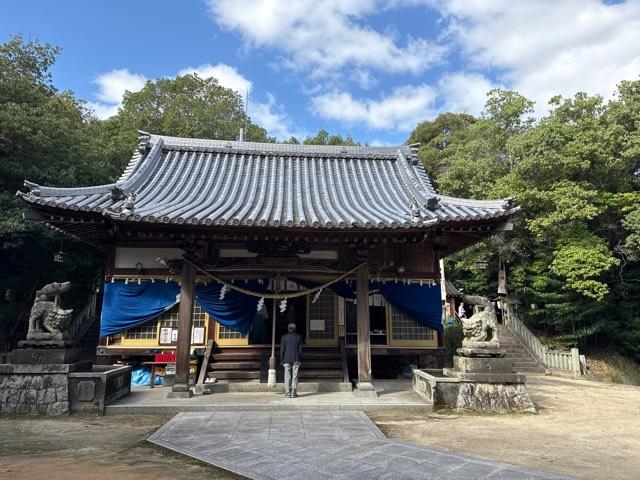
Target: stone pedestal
x,y
52,377
43,356
365,389
482,380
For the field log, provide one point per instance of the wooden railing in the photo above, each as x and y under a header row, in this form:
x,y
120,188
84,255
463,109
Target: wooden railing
x,y
552,359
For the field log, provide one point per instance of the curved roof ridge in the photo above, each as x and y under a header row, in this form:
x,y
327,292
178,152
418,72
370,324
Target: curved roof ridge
x,y
285,148
468,202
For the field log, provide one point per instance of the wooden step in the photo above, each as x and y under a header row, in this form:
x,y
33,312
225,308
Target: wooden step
x,y
235,374
231,356
234,365
309,374
321,365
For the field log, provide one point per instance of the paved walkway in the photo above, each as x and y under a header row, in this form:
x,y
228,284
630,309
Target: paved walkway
x,y
317,445
145,400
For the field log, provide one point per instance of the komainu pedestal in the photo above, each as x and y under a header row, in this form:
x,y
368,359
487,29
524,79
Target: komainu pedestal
x,y
487,382
48,372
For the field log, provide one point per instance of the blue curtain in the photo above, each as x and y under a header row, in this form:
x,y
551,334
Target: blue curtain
x,y
129,305
420,302
236,311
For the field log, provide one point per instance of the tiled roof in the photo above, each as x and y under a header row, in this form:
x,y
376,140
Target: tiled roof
x,y
217,182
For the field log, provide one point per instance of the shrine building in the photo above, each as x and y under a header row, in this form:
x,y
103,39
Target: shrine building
x,y
231,241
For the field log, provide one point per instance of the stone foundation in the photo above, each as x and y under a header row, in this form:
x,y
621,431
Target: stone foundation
x,y
494,397
480,392
34,393
60,389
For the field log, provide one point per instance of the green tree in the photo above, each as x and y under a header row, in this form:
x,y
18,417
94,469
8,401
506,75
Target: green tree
x,y
48,137
573,251
325,138
185,106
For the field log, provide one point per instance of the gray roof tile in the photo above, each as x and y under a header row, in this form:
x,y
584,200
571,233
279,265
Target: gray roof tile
x,y
218,182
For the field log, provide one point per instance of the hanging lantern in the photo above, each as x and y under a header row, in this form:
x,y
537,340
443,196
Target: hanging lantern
x,y
59,257
482,264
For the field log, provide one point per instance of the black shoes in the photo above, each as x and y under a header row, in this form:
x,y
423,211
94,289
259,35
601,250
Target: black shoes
x,y
292,394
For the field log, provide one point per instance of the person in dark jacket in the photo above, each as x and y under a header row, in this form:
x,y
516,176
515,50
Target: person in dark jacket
x,y
290,358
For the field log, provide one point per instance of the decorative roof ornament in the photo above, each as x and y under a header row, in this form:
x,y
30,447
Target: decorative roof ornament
x,y
143,142
416,214
508,202
433,204
34,188
117,194
129,204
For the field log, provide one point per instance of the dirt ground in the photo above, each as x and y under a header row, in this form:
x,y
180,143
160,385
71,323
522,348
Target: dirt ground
x,y
583,429
87,448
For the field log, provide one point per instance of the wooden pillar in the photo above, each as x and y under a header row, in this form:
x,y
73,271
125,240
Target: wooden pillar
x,y
185,316
364,338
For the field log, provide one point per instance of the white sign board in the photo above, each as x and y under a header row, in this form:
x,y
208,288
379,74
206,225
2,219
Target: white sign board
x,y
165,336
197,336
316,325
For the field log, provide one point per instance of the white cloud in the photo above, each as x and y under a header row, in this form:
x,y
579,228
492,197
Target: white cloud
x,y
271,115
548,47
226,75
113,84
111,88
103,110
401,110
464,92
323,37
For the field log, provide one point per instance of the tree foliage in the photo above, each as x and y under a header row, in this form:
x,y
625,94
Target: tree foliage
x,y
573,253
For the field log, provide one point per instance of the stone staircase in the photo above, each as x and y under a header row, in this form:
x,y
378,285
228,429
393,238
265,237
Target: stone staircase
x,y
523,361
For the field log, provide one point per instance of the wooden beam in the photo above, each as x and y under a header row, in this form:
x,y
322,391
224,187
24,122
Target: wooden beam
x,y
185,315
364,338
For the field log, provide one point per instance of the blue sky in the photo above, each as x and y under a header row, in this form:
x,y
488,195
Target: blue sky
x,y
368,68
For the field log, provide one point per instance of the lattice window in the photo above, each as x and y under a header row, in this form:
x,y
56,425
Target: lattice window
x,y
169,319
148,331
322,316
225,333
404,327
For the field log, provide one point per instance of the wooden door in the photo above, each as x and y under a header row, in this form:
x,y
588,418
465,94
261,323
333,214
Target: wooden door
x,y
322,319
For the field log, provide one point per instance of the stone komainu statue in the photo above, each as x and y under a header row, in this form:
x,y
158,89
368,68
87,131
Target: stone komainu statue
x,y
481,329
47,318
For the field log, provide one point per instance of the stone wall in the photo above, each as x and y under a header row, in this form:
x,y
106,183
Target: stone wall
x,y
34,393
